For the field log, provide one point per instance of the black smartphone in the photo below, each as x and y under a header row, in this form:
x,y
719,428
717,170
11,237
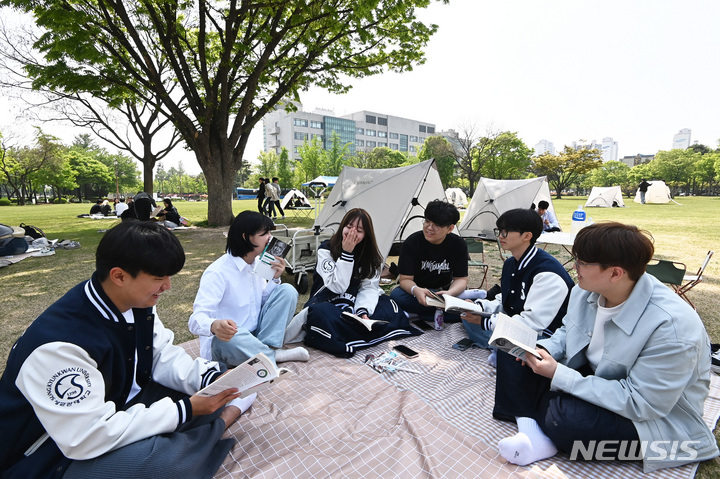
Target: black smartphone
x,y
405,351
420,324
463,344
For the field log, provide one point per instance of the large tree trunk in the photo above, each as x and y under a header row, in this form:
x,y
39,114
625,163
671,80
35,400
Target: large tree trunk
x,y
220,177
148,165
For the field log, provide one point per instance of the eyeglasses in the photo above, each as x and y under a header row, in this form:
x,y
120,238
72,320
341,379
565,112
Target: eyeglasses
x,y
583,263
504,233
433,226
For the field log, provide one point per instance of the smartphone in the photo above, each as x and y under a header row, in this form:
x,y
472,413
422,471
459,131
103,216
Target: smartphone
x,y
463,344
420,324
405,351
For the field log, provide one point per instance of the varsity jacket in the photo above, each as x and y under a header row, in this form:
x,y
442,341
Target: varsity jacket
x,y
68,378
334,282
534,289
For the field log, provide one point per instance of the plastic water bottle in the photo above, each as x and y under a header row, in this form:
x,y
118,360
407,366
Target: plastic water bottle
x,y
578,219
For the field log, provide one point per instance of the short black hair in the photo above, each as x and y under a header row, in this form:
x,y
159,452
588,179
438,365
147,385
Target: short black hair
x,y
543,205
275,178
615,244
442,213
244,225
521,219
137,246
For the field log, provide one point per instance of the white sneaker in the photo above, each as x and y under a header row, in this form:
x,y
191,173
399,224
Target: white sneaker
x,y
44,252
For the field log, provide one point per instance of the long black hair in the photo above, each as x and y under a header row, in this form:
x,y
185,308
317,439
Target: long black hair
x,y
368,259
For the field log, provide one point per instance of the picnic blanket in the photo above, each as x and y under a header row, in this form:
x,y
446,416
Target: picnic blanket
x,y
340,418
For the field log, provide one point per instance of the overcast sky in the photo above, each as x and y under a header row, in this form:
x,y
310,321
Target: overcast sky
x,y
562,70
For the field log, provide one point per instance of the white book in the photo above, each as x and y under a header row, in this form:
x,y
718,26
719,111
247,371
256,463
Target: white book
x,y
255,374
275,249
513,337
452,304
368,323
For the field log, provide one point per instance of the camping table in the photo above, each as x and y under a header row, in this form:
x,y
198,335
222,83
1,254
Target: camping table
x,y
303,211
566,240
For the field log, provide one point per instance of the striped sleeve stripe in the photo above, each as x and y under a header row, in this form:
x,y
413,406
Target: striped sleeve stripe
x,y
184,410
345,256
209,376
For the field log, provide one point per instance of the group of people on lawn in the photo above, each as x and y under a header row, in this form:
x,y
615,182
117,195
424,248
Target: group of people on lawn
x,y
95,384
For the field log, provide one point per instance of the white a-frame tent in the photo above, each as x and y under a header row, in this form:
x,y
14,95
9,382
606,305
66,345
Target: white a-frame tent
x,y
395,198
494,197
658,192
605,196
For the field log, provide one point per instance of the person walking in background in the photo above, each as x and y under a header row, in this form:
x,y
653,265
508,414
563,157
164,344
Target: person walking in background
x,y
643,187
271,197
261,196
278,191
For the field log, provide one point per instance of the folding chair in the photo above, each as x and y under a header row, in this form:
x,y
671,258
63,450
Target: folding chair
x,y
476,246
668,272
691,280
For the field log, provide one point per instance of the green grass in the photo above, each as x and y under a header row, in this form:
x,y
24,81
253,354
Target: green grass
x,y
682,233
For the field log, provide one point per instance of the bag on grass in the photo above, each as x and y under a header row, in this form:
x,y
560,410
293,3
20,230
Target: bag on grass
x,y
32,231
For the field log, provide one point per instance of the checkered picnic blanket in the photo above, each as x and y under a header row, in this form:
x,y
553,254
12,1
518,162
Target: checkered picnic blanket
x,y
340,418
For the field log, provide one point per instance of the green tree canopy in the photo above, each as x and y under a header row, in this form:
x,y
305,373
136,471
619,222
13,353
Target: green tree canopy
x,y
233,61
505,156
439,148
564,169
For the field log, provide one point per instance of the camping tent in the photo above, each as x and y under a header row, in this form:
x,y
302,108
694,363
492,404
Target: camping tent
x,y
657,192
328,181
395,198
494,197
457,197
292,195
605,196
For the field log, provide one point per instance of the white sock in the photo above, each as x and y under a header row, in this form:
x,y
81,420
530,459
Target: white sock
x,y
292,354
530,444
492,359
473,294
243,403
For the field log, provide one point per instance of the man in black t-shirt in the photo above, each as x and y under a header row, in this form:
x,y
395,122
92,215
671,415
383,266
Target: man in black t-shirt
x,y
432,259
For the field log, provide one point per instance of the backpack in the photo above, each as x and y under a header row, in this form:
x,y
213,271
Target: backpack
x,y
32,231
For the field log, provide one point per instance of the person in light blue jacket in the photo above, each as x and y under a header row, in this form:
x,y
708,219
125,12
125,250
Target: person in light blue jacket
x,y
627,372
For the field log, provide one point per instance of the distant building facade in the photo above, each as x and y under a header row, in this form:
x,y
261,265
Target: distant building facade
x,y
363,130
681,140
609,149
544,146
637,159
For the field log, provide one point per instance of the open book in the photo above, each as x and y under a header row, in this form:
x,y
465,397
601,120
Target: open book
x,y
255,374
368,323
155,211
274,249
513,337
452,304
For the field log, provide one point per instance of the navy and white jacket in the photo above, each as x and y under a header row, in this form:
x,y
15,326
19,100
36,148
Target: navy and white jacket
x,y
534,289
68,379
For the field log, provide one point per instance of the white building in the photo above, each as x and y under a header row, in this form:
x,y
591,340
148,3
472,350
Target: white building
x,y
544,146
609,149
681,141
364,130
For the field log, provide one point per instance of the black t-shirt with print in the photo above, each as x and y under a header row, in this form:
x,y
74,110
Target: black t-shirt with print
x,y
433,266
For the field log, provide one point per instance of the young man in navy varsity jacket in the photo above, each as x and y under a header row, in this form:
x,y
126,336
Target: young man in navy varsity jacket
x,y
95,386
534,289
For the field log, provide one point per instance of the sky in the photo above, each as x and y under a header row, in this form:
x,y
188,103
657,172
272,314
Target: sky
x,y
562,70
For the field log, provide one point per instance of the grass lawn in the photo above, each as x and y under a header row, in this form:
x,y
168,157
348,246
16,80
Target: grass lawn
x,y
682,233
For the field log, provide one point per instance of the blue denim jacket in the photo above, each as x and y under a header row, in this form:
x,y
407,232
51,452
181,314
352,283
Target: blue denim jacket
x,y
655,368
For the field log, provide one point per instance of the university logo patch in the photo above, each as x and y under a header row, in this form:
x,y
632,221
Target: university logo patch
x,y
68,386
327,266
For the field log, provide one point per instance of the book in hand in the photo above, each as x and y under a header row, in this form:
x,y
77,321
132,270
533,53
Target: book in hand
x,y
275,249
452,304
255,374
513,337
368,323
155,211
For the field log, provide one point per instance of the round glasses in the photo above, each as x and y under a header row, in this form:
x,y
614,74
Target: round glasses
x,y
430,225
583,263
